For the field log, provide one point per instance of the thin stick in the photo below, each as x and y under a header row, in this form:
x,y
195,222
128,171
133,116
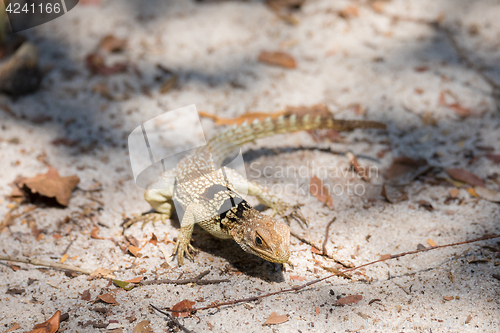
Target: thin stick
x,y
172,319
39,262
198,280
327,231
296,288
317,247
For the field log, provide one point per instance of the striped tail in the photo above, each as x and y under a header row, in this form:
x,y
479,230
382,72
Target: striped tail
x,y
223,144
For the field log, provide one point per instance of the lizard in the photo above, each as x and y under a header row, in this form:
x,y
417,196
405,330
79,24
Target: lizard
x,y
209,195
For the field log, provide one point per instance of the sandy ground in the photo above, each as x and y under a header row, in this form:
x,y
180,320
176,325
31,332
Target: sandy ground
x,y
367,66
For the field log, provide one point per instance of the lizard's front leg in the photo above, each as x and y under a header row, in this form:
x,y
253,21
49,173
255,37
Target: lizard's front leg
x,y
193,212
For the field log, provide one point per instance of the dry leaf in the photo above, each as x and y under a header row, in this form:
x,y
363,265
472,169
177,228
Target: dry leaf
x,y
321,192
86,295
95,233
154,239
281,59
469,318
465,176
50,326
52,185
134,251
394,194
64,258
487,194
107,298
448,298
359,169
460,110
110,43
472,192
431,242
404,169
274,319
316,309
454,192
348,12
95,63
101,272
135,280
385,256
352,299
14,327
168,84
185,306
315,250
426,204
297,278
493,157
143,327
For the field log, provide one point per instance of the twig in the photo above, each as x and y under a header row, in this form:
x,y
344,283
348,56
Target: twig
x,y
297,288
9,218
39,262
327,231
172,319
69,245
317,247
198,280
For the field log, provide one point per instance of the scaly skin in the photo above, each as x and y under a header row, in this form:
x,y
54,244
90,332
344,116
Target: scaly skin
x,y
209,195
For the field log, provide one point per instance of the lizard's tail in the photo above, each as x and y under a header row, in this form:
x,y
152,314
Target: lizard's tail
x,y
222,144
288,124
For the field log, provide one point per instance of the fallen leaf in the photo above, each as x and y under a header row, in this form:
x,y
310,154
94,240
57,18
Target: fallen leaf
x,y
374,300
281,59
469,318
359,169
352,299
425,204
64,258
134,251
143,327
460,110
493,157
487,194
394,194
348,12
184,306
135,280
168,84
50,326
110,43
52,185
14,327
321,192
86,295
274,319
315,250
431,242
101,272
154,239
404,169
95,63
496,276
454,192
385,256
14,267
124,285
465,176
472,192
316,309
95,233
297,278
420,247
107,298
448,298
15,291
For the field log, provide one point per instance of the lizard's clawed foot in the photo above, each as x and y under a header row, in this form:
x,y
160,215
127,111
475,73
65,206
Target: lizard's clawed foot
x,y
146,218
182,246
295,213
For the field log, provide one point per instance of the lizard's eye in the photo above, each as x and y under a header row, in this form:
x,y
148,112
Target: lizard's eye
x,y
258,241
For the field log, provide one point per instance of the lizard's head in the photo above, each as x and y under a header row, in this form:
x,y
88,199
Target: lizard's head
x,y
264,236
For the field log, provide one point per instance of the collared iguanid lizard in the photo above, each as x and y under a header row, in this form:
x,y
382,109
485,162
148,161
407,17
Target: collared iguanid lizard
x,y
209,195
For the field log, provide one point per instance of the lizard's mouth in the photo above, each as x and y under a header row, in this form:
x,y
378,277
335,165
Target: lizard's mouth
x,y
279,258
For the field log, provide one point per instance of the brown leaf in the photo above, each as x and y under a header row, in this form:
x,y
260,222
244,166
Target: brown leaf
x,y
493,157
465,176
460,110
52,185
352,299
321,192
135,280
110,43
431,242
14,327
95,63
315,250
472,192
394,194
487,194
107,298
95,233
404,169
454,192
469,318
448,298
278,58
143,327
86,295
168,84
359,169
154,239
348,12
50,326
385,256
274,319
15,291
297,278
425,204
134,251
185,306
101,272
